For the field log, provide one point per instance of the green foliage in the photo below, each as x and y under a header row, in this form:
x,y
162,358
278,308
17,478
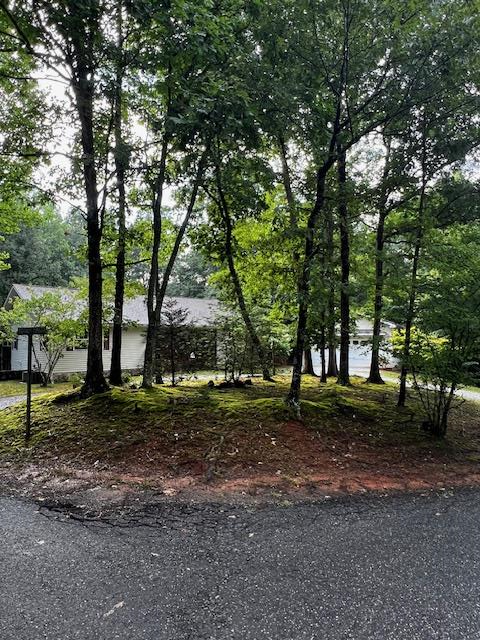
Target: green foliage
x,y
446,345
271,90
54,311
190,276
43,253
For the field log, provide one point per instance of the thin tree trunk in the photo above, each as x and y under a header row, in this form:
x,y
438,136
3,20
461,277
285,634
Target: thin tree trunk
x,y
343,374
287,184
402,394
153,281
375,376
323,375
237,285
155,312
308,363
332,369
303,286
116,354
303,291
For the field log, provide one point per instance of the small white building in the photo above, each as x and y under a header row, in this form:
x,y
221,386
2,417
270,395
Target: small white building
x,y
200,313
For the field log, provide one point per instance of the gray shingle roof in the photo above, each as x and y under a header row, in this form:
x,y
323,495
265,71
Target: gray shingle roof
x,y
200,311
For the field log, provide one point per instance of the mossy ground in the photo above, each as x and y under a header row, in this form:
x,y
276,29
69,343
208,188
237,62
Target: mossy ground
x,y
194,425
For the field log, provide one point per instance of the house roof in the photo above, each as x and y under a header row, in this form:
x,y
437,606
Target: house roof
x,y
200,311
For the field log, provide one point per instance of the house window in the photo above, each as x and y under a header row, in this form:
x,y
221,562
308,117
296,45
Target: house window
x,y
78,343
106,339
81,342
15,344
355,342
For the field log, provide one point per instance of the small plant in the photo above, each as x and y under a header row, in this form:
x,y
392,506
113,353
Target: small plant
x,y
75,380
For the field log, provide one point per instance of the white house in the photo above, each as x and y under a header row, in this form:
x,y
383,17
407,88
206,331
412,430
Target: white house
x,y
201,313
360,346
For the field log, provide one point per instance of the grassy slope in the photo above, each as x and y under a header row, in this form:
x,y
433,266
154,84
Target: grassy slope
x,y
192,423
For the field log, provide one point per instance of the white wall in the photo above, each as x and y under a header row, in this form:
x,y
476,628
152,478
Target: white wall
x,y
133,349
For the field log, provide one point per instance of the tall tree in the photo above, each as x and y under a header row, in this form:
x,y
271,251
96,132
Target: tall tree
x,y
224,209
344,227
67,37
121,163
348,89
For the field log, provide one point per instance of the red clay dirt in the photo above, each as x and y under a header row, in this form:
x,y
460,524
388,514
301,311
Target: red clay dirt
x,y
291,461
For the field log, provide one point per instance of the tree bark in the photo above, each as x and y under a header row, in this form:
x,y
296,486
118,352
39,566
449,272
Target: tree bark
x,y
153,281
375,375
303,288
287,184
402,394
83,90
308,363
410,315
155,312
116,356
237,285
344,374
331,337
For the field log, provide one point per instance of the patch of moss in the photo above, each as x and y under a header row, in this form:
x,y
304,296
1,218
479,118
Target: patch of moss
x,y
108,424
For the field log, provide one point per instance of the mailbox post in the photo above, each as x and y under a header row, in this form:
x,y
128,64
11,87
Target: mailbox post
x,y
30,332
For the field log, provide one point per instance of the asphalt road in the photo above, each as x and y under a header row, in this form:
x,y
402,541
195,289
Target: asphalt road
x,y
404,567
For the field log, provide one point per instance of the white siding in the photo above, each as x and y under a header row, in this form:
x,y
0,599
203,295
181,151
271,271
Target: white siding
x,y
133,349
19,355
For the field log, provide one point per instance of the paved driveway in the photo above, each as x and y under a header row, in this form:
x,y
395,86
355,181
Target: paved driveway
x,y
391,568
9,401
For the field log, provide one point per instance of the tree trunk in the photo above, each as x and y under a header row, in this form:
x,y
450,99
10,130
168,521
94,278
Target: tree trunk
x,y
375,375
116,356
402,394
323,375
237,285
303,291
303,286
308,363
331,338
343,374
155,312
153,281
94,378
287,184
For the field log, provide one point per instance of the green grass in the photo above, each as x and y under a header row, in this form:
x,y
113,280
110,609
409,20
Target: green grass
x,y
9,388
